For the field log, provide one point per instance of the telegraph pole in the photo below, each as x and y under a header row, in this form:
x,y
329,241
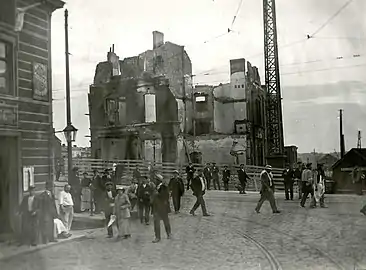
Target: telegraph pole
x,y
68,102
341,135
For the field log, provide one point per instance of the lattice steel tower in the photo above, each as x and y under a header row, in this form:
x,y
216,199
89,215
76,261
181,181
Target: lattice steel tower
x,y
275,141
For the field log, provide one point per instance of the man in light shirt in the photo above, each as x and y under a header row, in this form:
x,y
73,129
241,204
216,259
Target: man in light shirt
x,y
66,207
198,187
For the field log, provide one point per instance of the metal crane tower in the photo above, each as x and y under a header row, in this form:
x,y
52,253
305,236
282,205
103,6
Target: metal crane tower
x,y
275,140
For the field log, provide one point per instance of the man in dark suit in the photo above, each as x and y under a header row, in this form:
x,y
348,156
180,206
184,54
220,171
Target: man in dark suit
x,y
199,188
144,193
190,173
267,190
109,197
47,213
288,178
226,177
208,175
243,178
215,176
160,200
176,186
28,210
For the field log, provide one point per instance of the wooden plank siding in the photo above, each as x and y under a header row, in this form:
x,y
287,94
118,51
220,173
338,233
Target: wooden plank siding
x,y
34,117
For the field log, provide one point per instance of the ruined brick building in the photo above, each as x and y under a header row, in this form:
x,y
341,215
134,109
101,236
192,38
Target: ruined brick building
x,y
145,107
231,115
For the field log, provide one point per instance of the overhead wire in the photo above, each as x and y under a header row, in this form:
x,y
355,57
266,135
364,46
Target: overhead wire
x,y
331,18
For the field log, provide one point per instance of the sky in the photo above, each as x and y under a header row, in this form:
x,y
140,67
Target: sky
x,y
319,75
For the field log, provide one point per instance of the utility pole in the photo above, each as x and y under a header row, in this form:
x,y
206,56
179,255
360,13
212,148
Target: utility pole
x,y
359,140
341,136
68,105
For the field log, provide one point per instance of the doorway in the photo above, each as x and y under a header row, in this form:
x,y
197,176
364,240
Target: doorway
x,y
9,183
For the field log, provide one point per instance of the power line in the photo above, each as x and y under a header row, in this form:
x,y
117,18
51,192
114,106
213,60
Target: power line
x,y
332,17
236,14
325,69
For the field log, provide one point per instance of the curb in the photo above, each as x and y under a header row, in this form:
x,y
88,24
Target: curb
x,y
38,248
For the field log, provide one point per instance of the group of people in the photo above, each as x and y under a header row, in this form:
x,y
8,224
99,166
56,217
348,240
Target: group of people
x,y
310,182
41,222
211,174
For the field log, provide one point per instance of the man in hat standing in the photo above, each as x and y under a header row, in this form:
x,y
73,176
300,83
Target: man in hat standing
x,y
215,176
208,175
47,214
297,176
97,191
267,190
307,185
288,178
109,197
226,177
144,193
161,209
198,187
76,189
176,187
243,178
28,211
190,173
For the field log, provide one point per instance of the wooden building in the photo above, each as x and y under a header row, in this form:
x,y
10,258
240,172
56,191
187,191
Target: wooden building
x,y
342,171
26,128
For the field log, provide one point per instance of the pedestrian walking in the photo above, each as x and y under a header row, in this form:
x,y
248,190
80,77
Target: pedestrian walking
x,y
47,214
307,185
122,211
144,193
226,177
208,175
109,197
66,207
28,212
297,175
215,176
198,186
243,179
319,187
176,187
288,178
190,173
267,190
161,208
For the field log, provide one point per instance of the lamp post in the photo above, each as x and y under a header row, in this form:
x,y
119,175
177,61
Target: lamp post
x,y
69,131
70,135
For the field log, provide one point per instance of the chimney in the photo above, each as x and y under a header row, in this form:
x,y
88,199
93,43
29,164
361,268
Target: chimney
x,y
158,39
114,60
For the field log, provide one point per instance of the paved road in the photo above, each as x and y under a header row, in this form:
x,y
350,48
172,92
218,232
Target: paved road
x,y
234,237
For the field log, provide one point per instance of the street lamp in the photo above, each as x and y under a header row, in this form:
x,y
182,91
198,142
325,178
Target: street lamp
x,y
70,133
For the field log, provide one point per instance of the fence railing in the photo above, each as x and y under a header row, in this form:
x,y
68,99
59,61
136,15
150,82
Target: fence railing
x,y
166,169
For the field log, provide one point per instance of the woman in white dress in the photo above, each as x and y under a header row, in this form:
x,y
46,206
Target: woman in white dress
x,y
122,207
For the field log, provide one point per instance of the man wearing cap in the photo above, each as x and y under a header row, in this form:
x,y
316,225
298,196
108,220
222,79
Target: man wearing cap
x,y
28,212
307,185
144,193
267,190
161,207
109,196
198,187
176,187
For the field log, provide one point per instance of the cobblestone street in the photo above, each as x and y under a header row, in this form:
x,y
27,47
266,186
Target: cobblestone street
x,y
234,237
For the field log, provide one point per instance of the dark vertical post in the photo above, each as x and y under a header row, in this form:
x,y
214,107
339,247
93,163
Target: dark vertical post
x,y
68,105
341,136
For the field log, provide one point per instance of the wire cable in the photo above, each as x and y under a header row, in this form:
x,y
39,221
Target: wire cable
x,y
236,14
332,17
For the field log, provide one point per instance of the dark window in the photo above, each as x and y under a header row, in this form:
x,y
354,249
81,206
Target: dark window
x,y
202,127
235,86
201,104
122,111
111,110
6,68
242,86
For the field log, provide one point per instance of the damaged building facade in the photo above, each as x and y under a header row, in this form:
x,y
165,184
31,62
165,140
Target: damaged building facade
x,y
145,107
230,118
138,106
